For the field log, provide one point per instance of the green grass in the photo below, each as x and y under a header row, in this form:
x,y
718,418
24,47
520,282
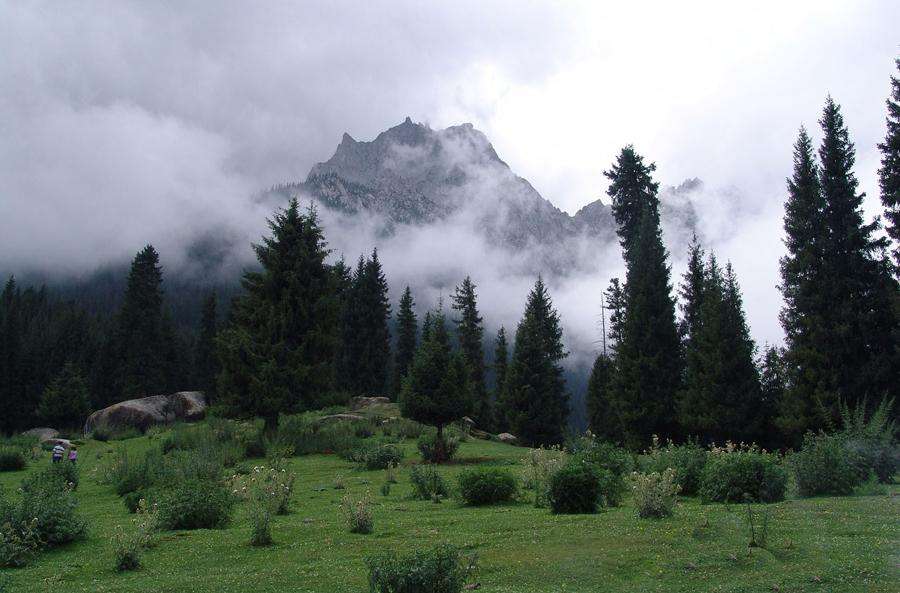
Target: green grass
x,y
847,544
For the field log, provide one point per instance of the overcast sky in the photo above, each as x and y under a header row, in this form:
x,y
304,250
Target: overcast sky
x,y
124,123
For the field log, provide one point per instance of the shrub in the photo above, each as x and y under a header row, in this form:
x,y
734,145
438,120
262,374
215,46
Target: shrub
x,y
403,428
427,483
737,473
273,484
655,494
105,433
486,485
307,435
358,513
195,504
538,466
11,459
869,440
823,466
382,457
439,570
128,551
575,488
259,512
612,463
688,461
19,543
428,447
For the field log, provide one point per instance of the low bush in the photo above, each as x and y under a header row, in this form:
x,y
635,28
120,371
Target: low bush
x,y
538,466
383,456
195,504
307,435
737,473
20,543
486,485
427,483
575,488
655,494
127,550
259,511
11,459
613,465
688,461
869,440
823,466
442,569
428,446
403,428
274,484
358,513
105,433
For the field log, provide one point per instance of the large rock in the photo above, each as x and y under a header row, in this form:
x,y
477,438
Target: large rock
x,y
358,403
142,413
43,433
505,437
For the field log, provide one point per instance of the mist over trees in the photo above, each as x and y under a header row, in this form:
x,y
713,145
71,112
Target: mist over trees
x,y
306,331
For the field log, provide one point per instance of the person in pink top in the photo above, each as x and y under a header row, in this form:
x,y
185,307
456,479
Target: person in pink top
x,y
73,455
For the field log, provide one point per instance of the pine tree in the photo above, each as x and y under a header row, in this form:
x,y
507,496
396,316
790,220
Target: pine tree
x,y
648,356
633,193
140,339
365,338
691,291
602,420
889,173
12,404
470,333
436,390
805,316
407,329
773,386
64,403
277,354
501,370
615,304
860,347
536,402
205,354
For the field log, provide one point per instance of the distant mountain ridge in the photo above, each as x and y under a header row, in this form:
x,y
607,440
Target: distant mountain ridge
x,y
411,174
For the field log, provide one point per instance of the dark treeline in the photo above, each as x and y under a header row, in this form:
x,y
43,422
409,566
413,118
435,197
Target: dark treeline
x,y
304,333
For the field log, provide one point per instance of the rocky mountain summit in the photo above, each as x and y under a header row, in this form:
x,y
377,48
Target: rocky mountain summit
x,y
411,174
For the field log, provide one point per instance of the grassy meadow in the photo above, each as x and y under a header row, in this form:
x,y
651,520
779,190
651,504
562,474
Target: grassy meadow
x,y
847,544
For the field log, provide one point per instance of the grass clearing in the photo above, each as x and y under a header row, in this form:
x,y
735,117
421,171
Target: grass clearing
x,y
848,544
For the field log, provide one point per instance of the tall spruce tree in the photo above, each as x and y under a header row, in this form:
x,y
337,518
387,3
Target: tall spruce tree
x,y
501,374
407,330
889,173
773,386
12,396
141,337
648,355
64,403
536,402
277,353
602,419
805,316
615,304
436,390
633,193
205,351
365,338
470,334
860,347
691,291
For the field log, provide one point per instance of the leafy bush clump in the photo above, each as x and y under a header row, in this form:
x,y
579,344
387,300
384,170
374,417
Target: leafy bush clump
x,y
538,467
427,483
195,504
128,551
575,489
383,456
43,515
306,434
358,513
442,569
688,461
487,485
11,459
823,466
655,494
613,465
429,447
738,473
869,441
403,428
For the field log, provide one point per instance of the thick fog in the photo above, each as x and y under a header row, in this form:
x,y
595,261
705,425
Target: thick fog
x,y
131,122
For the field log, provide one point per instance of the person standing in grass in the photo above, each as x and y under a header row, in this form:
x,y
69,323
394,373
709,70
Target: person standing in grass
x,y
73,455
57,453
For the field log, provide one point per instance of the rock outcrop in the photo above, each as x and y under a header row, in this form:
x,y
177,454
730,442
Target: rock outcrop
x,y
358,403
142,413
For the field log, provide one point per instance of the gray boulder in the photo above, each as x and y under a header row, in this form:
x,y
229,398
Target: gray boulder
x,y
142,413
43,433
358,403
